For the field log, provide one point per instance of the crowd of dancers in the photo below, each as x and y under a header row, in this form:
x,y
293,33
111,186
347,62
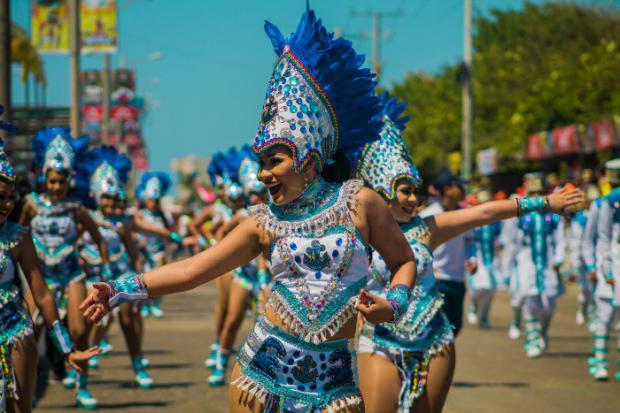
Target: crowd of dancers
x,y
317,230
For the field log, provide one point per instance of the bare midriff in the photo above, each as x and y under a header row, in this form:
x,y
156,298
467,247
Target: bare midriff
x,y
347,331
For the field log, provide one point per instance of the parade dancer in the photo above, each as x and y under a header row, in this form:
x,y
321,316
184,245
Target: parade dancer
x,y
318,235
540,250
482,265
510,271
101,176
157,229
54,218
576,240
18,353
409,365
607,293
248,280
206,226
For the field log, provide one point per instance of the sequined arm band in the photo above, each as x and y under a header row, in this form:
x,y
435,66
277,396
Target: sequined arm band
x,y
176,237
532,204
398,296
263,277
61,338
127,289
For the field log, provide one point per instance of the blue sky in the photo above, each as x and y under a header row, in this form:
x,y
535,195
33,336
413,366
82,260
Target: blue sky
x,y
217,59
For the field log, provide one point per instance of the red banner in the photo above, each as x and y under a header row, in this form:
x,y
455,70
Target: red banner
x,y
604,134
565,140
92,113
536,146
124,113
132,140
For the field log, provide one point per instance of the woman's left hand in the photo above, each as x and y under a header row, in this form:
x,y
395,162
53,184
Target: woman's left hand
x,y
374,308
78,359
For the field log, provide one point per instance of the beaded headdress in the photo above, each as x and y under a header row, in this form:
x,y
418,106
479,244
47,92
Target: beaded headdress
x,y
248,172
231,163
319,99
55,148
153,185
215,170
386,161
102,171
6,168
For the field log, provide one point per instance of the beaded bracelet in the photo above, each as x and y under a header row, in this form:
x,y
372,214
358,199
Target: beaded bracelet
x,y
61,338
398,296
127,289
532,204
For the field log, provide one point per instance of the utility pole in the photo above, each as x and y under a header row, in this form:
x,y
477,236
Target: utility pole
x,y
74,45
467,93
5,57
377,34
105,122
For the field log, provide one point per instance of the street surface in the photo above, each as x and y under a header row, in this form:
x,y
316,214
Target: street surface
x,y
493,374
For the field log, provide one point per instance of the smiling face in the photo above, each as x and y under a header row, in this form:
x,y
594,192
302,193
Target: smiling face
x,y
8,197
107,205
404,205
57,184
276,173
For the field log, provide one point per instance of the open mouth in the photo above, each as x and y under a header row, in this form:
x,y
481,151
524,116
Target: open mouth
x,y
274,190
408,210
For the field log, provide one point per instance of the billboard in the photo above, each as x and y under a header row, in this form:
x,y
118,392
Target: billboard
x,y
50,25
99,30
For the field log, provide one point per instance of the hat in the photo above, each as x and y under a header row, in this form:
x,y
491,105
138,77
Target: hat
x,y
445,178
612,171
483,196
102,171
55,148
533,182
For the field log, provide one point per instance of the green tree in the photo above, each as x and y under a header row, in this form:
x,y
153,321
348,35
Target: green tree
x,y
534,69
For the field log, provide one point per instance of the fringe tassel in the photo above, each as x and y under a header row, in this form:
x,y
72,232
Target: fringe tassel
x,y
342,403
254,389
297,326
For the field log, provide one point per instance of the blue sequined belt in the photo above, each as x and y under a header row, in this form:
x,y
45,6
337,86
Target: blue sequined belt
x,y
288,374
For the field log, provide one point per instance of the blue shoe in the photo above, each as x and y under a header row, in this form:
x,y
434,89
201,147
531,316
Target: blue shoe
x,y
143,379
69,381
105,346
145,362
85,400
217,377
157,311
212,360
592,361
93,362
144,311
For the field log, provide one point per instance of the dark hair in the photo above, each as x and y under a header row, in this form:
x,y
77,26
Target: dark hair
x,y
338,169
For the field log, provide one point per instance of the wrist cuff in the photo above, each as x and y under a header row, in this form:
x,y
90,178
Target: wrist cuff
x,y
61,339
127,289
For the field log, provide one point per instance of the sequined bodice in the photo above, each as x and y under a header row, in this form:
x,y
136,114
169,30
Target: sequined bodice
x,y
154,243
319,261
109,230
415,231
10,235
54,227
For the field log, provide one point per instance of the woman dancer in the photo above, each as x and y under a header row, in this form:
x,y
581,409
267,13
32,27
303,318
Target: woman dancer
x,y
155,228
539,251
410,364
102,176
54,218
249,279
299,357
482,263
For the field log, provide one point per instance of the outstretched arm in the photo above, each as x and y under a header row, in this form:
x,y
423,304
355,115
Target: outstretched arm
x,y
85,220
448,225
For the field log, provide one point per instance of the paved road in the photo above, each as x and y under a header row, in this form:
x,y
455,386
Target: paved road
x,y
492,374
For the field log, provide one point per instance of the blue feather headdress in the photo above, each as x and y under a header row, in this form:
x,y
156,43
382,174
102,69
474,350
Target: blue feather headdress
x,y
216,170
102,171
6,168
384,162
55,148
153,185
231,163
319,98
248,172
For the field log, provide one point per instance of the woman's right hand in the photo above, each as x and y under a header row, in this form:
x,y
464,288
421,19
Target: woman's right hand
x,y
566,201
96,305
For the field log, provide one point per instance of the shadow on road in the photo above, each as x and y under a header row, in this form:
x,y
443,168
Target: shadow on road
x,y
468,384
127,405
166,366
567,354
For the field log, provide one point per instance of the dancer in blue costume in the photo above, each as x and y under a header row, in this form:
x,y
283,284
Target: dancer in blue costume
x,y
54,218
539,251
409,365
18,353
250,279
607,293
155,228
482,265
300,357
101,178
